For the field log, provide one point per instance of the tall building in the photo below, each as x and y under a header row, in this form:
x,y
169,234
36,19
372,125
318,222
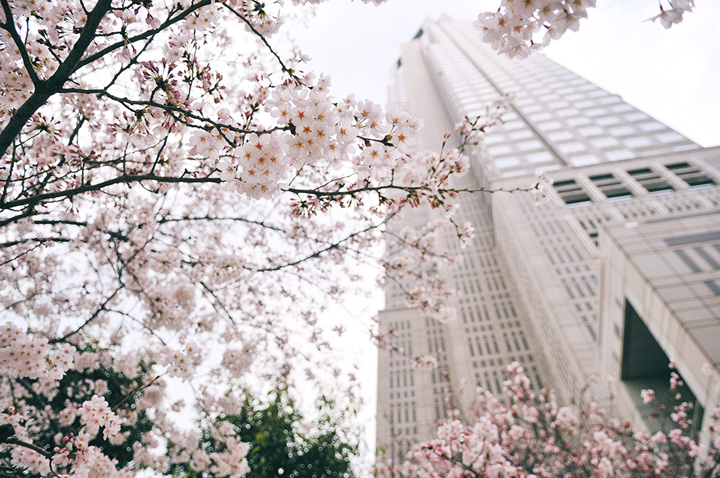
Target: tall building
x,y
618,273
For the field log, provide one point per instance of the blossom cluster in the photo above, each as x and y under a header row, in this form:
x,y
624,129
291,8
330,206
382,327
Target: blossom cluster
x,y
543,184
414,253
473,130
314,130
96,413
527,434
517,28
181,363
674,12
232,461
23,355
424,361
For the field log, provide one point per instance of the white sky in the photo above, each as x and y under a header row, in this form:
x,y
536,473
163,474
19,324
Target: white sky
x,y
673,75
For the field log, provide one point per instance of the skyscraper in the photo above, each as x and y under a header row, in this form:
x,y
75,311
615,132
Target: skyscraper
x,y
618,273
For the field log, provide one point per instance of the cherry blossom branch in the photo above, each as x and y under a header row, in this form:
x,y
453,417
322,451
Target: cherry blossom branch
x,y
40,403
35,448
421,188
24,253
218,218
330,247
39,240
9,174
130,178
171,108
9,26
95,314
137,389
142,325
264,40
126,179
46,88
146,34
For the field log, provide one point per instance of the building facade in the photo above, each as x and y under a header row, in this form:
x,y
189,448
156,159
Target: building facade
x,y
619,267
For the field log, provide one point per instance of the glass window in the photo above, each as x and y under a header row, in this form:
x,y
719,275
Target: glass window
x,y
610,186
540,116
529,145
597,93
573,147
522,134
638,142
494,138
558,104
506,163
541,157
605,142
584,160
612,99
559,135
567,112
635,116
499,149
651,180
578,121
651,126
621,130
607,120
532,108
691,174
670,137
593,112
549,125
512,125
571,192
619,155
621,108
590,131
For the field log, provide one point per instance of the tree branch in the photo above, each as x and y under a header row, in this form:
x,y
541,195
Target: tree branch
x,y
89,319
211,218
44,89
264,40
170,108
141,36
10,28
69,193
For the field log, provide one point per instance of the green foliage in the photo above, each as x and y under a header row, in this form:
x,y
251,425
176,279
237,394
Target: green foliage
x,y
283,443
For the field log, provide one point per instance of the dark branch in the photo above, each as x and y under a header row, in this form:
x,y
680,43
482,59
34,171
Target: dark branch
x,y
127,179
9,26
44,89
141,36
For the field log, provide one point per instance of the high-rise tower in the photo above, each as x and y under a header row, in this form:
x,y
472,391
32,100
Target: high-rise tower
x,y
618,273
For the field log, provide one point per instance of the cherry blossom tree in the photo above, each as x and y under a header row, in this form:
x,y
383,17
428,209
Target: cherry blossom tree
x,y
528,434
179,201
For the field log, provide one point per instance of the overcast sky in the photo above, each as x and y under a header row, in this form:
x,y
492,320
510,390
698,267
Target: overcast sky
x,y
672,74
